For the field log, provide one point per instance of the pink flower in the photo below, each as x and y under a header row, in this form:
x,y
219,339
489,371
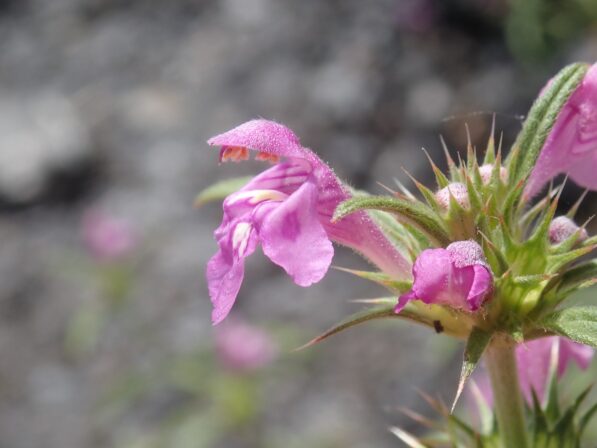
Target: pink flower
x,y
571,147
534,360
105,236
457,276
562,228
243,347
287,209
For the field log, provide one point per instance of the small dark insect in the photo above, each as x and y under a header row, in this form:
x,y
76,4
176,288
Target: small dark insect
x,y
438,326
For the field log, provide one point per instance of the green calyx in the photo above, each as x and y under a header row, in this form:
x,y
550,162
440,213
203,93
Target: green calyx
x,y
483,201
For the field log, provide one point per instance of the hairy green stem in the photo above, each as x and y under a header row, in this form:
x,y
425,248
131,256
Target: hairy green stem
x,y
501,363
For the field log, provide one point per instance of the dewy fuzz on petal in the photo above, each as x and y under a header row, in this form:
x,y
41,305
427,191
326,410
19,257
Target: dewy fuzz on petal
x,y
571,146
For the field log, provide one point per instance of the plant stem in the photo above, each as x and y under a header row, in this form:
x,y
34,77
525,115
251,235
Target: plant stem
x,y
501,363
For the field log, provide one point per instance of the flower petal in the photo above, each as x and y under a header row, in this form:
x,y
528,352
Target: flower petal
x,y
432,272
293,238
533,360
262,135
480,287
571,145
224,280
286,177
573,351
225,270
403,300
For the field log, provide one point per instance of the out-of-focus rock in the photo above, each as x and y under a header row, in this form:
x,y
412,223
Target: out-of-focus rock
x,y
428,101
40,136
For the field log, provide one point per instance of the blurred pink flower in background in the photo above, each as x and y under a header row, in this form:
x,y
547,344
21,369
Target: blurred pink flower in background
x,y
105,236
416,16
243,347
534,358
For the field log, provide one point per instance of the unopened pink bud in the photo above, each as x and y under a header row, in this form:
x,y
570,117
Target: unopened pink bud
x,y
457,276
456,190
486,171
562,228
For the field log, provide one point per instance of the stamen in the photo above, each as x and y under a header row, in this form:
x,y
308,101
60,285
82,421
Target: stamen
x,y
267,157
234,153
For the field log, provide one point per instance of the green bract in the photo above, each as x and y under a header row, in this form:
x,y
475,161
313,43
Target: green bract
x,y
532,277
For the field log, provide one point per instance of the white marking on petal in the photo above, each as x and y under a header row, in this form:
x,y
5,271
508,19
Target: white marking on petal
x,y
240,237
254,197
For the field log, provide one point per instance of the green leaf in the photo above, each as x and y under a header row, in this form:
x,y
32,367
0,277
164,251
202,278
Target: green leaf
x,y
380,278
221,189
414,213
475,346
576,323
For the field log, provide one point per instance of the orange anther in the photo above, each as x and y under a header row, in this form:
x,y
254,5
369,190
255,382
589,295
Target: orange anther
x,y
267,157
234,154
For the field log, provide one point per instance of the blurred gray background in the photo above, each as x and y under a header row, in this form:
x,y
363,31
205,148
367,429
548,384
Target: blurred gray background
x,y
105,106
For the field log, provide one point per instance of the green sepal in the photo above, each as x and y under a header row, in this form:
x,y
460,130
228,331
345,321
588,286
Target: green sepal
x,y
411,212
576,323
384,309
495,257
489,157
476,344
577,276
428,195
440,178
452,168
220,190
557,262
395,286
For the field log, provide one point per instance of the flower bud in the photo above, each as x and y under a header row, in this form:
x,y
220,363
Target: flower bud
x,y
486,171
457,276
458,191
562,228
